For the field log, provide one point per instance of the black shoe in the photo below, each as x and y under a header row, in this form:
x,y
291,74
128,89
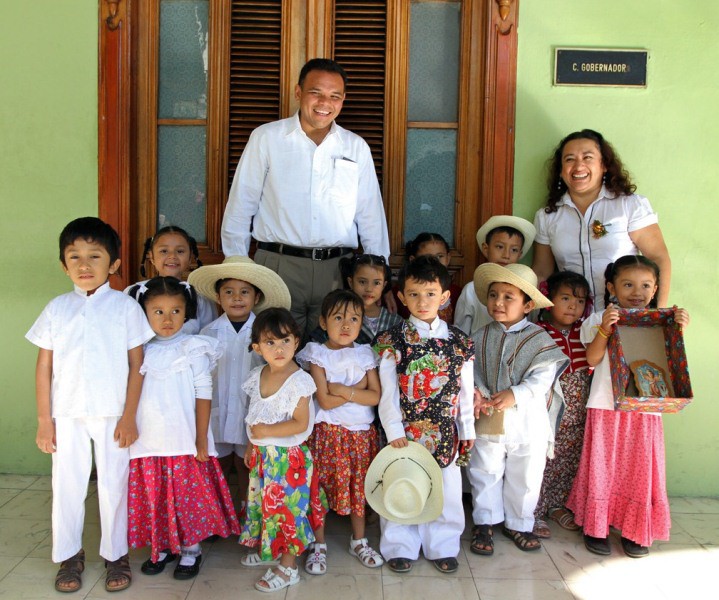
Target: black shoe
x,y
154,568
189,571
597,545
634,550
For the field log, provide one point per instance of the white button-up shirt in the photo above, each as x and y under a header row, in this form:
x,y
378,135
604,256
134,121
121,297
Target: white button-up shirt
x,y
289,190
89,337
576,248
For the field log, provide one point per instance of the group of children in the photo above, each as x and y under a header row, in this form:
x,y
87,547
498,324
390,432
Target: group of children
x,y
170,412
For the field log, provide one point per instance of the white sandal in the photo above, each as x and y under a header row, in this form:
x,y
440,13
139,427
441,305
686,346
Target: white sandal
x,y
276,582
316,563
366,555
253,560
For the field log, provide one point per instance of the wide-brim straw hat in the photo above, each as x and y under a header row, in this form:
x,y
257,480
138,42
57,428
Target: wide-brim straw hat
x,y
522,225
404,485
274,290
516,274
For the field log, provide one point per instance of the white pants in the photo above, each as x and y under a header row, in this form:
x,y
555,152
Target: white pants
x,y
71,465
506,480
438,538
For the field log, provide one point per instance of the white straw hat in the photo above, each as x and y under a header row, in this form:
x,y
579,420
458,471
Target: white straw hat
x,y
274,290
516,274
404,485
522,225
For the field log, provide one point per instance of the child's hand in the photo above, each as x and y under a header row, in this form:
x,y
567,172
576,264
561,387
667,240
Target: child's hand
x,y
45,438
259,431
202,452
681,316
502,400
480,404
248,456
609,318
126,432
399,443
465,445
339,390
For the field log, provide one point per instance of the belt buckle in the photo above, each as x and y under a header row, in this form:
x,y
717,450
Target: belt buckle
x,y
318,253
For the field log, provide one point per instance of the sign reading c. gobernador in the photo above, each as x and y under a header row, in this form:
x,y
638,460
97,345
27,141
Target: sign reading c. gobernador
x,y
582,66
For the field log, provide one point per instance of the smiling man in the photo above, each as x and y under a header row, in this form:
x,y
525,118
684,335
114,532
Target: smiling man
x,y
306,190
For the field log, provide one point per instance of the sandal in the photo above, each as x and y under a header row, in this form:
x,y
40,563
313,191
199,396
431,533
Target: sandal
x,y
155,568
253,560
446,565
524,540
274,581
119,575
366,555
316,563
400,565
597,545
634,550
541,529
482,540
68,578
564,518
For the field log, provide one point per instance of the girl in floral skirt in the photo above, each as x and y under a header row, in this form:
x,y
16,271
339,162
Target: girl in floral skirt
x,y
177,493
281,502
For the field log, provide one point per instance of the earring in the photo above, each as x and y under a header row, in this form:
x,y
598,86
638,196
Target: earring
x,y
559,184
604,178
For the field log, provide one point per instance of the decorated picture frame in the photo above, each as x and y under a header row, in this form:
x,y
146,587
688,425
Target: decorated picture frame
x,y
650,379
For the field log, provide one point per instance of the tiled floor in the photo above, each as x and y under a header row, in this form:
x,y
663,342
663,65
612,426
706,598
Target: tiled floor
x,y
686,567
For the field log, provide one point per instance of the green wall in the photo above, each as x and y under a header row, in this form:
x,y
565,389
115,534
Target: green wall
x,y
48,176
667,135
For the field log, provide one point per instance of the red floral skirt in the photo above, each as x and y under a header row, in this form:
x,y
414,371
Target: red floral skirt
x,y
176,501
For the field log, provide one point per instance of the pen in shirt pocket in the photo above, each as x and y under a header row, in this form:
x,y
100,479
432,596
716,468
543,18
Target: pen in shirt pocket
x,y
334,162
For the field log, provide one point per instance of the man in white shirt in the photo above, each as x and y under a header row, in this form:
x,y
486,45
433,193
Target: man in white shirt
x,y
307,191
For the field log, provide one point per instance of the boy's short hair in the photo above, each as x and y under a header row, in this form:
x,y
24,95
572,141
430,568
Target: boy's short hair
x,y
510,231
426,269
220,282
90,229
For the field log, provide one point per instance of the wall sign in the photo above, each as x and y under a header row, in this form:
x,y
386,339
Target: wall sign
x,y
582,66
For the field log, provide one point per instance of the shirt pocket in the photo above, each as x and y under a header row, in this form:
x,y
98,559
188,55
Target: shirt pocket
x,y
345,181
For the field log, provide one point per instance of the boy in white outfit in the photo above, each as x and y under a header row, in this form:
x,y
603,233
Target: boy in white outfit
x,y
88,388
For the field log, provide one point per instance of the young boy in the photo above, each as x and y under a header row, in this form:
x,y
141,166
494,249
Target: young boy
x,y
241,288
504,240
427,396
88,388
515,370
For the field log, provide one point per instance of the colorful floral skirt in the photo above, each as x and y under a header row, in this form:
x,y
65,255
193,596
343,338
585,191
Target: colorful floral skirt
x,y
621,481
176,501
560,471
341,459
284,501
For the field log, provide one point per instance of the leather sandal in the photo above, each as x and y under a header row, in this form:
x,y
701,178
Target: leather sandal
x,y
482,540
526,541
541,529
446,565
400,565
119,575
68,578
564,518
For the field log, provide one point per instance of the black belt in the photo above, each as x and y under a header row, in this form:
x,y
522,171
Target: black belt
x,y
313,253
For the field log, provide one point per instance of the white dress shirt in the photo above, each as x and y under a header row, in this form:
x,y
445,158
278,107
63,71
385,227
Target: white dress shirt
x,y
576,248
289,190
90,337
470,314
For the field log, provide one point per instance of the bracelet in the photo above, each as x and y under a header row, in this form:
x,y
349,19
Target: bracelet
x,y
602,332
352,395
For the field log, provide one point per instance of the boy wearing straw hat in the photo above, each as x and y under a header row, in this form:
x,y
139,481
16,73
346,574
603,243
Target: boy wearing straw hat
x,y
503,239
242,289
427,397
516,368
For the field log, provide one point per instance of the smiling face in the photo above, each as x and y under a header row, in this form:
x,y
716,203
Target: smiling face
x,y
582,170
568,307
170,255
503,248
87,263
423,299
277,352
165,314
634,287
506,303
320,98
368,283
237,298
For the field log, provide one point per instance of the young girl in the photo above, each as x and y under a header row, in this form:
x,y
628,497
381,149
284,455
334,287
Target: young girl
x,y
177,493
171,251
569,292
432,244
282,506
621,480
344,441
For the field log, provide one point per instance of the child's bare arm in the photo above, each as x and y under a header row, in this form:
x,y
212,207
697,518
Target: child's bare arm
x,y
202,423
598,346
325,397
297,424
368,395
45,438
126,429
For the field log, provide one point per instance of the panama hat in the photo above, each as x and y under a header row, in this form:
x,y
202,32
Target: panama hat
x,y
404,485
522,225
274,290
516,274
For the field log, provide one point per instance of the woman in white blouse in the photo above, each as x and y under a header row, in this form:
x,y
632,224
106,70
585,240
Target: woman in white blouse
x,y
593,216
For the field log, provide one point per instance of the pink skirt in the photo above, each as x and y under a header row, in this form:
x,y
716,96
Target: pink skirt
x,y
176,501
621,481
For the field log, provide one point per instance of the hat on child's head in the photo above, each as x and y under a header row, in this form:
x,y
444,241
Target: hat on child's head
x,y
404,485
522,225
516,274
274,290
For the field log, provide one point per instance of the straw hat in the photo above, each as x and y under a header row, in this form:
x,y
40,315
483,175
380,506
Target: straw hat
x,y
521,225
274,290
404,485
517,274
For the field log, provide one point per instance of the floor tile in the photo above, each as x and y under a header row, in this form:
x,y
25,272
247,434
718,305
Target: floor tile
x,y
43,482
704,528
400,587
6,495
537,589
20,537
28,504
509,562
35,578
17,482
683,504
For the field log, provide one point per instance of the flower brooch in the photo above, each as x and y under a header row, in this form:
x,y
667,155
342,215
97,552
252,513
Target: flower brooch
x,y
599,230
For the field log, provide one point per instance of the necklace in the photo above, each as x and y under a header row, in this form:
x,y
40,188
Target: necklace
x,y
564,332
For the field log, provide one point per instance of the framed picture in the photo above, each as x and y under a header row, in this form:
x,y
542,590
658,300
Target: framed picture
x,y
650,378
